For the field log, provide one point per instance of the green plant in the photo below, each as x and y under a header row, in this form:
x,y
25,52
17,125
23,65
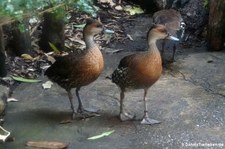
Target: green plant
x,y
18,9
206,3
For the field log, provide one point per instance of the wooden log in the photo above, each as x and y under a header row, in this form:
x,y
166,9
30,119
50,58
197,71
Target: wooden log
x,y
21,41
53,32
3,71
216,25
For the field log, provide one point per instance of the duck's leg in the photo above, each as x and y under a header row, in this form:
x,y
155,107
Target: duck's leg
x,y
71,103
84,112
174,51
163,49
124,116
146,120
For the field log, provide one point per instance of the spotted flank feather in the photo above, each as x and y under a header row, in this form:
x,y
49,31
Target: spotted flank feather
x,y
121,77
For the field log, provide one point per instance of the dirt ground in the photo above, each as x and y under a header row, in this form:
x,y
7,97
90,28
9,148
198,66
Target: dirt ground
x,y
189,100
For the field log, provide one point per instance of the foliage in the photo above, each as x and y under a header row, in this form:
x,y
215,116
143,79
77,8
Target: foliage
x,y
86,6
17,9
206,3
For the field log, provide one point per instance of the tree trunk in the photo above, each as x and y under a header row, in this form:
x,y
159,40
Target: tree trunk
x,y
21,42
3,71
53,32
216,25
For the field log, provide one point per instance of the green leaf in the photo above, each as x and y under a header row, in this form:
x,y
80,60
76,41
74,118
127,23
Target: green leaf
x,y
79,25
54,48
101,135
25,80
134,10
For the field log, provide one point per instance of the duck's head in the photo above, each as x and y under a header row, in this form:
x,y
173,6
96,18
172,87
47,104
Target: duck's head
x,y
93,27
159,32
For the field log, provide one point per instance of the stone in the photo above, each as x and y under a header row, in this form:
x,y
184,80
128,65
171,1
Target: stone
x,y
4,92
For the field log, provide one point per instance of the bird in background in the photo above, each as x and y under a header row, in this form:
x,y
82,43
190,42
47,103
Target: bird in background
x,y
141,71
174,24
78,70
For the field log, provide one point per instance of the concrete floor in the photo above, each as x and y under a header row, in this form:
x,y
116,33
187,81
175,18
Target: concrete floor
x,y
189,100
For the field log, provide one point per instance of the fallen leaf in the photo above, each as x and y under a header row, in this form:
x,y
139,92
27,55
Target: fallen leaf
x,y
47,144
133,10
66,121
51,59
49,53
4,134
31,69
110,2
27,57
45,67
119,8
79,25
114,51
20,79
36,58
129,36
77,40
47,85
11,99
101,135
54,48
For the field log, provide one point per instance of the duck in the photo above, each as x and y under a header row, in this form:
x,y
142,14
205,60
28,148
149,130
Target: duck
x,y
174,23
141,71
79,70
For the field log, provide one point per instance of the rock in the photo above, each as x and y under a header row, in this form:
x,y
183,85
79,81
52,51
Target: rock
x,y
194,14
176,4
4,92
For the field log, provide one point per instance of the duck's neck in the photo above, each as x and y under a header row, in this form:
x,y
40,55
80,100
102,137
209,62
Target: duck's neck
x,y
152,48
89,41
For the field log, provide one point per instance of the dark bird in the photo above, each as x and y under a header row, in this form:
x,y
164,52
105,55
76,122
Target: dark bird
x,y
141,71
78,70
174,24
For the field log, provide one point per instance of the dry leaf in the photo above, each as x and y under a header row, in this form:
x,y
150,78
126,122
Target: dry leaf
x,y
119,8
45,67
66,121
51,59
47,144
114,51
4,134
11,99
110,2
132,10
27,57
129,36
47,85
77,40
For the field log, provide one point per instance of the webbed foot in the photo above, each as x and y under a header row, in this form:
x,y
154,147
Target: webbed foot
x,y
148,121
126,116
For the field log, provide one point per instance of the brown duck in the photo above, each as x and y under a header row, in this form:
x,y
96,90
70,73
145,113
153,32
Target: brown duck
x,y
174,23
78,70
141,71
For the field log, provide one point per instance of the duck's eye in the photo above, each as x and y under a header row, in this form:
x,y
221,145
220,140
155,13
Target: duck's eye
x,y
165,31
